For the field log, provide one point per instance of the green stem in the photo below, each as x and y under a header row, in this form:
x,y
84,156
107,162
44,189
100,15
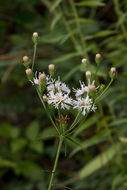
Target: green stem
x,y
56,162
104,90
59,115
34,55
73,124
80,31
118,12
42,101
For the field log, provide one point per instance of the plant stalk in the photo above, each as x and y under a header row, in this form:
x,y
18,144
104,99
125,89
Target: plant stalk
x,y
42,101
56,162
34,55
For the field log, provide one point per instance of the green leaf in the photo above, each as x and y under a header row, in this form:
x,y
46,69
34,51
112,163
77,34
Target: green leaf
x,y
104,33
8,130
90,3
90,142
55,20
73,140
118,180
55,5
29,169
48,133
52,39
98,162
32,131
67,36
72,71
118,122
18,144
92,120
6,163
67,57
37,146
82,20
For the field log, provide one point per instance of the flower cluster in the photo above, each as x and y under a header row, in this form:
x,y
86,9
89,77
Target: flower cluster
x,y
58,94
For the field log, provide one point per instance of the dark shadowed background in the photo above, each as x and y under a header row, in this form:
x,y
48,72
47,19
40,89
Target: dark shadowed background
x,y
69,30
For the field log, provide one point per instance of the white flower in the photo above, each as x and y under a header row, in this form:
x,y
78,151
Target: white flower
x,y
37,77
59,99
57,86
84,89
49,80
84,104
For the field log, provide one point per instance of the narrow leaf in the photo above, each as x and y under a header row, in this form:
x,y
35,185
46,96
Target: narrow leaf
x,y
55,5
98,162
90,3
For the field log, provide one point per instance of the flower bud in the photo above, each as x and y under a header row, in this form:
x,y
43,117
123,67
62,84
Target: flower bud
x,y
88,73
84,60
51,69
112,72
91,87
42,82
29,73
98,58
25,58
26,61
35,37
35,34
42,76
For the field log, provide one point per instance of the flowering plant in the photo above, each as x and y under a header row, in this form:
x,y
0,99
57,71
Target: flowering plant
x,y
55,94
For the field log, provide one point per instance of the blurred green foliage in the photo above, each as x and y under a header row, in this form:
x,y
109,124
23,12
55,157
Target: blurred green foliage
x,y
69,30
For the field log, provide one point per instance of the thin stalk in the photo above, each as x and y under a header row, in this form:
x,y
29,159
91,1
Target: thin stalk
x,y
56,162
80,31
48,4
118,12
73,126
75,119
59,115
42,101
68,28
34,55
104,90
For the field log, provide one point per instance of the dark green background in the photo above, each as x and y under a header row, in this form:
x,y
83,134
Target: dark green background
x,y
27,149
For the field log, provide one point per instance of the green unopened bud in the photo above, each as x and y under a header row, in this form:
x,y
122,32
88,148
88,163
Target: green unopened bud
x,y
35,37
26,61
29,74
98,58
51,69
112,72
42,82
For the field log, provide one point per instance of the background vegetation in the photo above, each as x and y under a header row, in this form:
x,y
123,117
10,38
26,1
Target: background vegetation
x,y
69,30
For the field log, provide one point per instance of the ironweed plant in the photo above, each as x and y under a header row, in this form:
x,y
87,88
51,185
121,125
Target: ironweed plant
x,y
56,95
